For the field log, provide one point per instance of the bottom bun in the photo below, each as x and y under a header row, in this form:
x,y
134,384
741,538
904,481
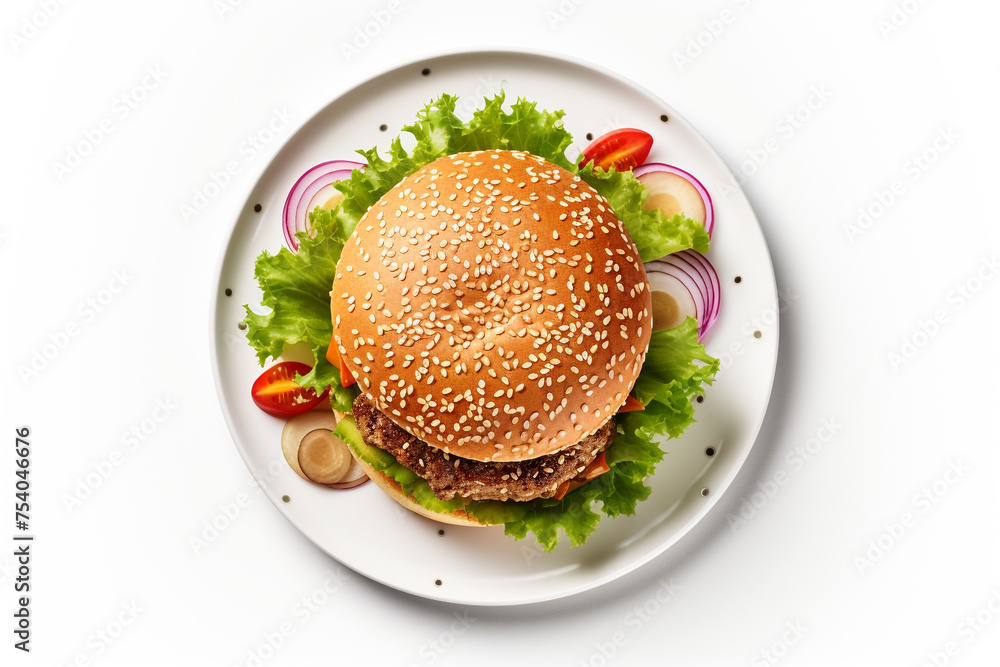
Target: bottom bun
x,y
395,491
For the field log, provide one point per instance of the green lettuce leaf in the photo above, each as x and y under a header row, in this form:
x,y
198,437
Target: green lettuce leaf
x,y
525,128
653,234
296,289
434,129
439,133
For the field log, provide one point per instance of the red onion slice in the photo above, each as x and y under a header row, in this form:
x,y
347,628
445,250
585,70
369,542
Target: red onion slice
x,y
696,273
704,266
682,288
702,284
672,189
312,189
712,286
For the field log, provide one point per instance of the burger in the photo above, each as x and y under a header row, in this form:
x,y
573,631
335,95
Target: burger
x,y
478,307
495,314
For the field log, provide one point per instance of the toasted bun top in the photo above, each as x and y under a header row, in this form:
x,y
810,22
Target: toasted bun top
x,y
493,306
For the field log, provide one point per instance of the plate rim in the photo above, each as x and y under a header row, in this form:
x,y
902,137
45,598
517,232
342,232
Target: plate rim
x,y
501,51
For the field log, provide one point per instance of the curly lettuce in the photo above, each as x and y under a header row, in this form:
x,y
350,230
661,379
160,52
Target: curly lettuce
x,y
439,133
296,292
654,235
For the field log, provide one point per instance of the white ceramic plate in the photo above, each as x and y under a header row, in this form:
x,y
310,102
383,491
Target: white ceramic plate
x,y
364,529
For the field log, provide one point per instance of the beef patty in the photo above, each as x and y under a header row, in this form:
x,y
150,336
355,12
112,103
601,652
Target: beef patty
x,y
450,475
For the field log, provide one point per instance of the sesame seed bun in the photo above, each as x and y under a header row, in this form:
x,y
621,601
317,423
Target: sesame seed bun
x,y
493,306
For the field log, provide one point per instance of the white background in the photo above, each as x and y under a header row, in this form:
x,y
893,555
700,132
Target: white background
x,y
846,550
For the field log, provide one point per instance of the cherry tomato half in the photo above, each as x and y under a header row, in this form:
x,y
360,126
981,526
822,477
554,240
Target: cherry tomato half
x,y
276,392
622,149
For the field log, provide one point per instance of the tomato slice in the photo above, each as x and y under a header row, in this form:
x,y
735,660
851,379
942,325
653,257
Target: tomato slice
x,y
622,149
597,467
276,392
632,404
335,359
